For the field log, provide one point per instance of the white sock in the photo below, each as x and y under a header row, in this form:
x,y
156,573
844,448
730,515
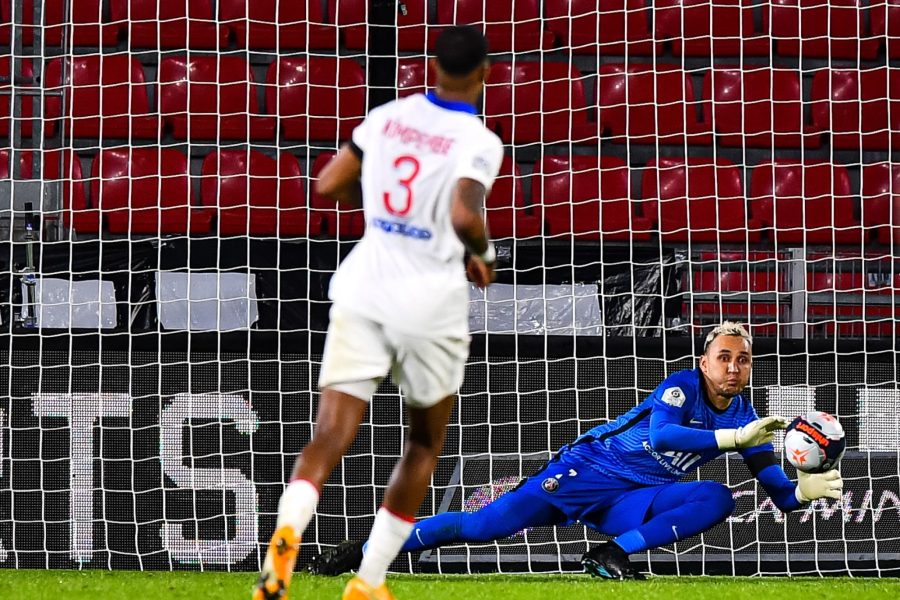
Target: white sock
x,y
297,504
389,533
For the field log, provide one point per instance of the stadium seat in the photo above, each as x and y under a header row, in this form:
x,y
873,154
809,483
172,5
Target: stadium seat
x,y
278,24
335,221
76,213
89,29
852,106
820,28
146,191
222,96
106,97
528,102
507,215
587,197
756,108
320,98
809,203
885,15
881,201
414,76
605,27
6,98
657,105
255,194
350,16
740,279
710,28
169,25
508,26
701,200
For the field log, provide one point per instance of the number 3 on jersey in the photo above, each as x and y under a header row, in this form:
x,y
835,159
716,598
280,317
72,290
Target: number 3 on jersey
x,y
404,164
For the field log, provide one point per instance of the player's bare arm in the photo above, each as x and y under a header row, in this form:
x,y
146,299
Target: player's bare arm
x,y
340,177
468,202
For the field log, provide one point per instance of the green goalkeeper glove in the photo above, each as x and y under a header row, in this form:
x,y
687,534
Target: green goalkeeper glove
x,y
752,434
812,486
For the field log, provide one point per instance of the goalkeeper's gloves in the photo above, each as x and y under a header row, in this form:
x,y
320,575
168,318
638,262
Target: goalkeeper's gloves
x,y
812,486
752,434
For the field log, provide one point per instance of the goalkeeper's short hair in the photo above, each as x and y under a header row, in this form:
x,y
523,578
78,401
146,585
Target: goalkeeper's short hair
x,y
730,328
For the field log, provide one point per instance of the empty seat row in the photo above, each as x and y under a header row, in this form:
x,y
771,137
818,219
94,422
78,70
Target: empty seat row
x,y
147,190
814,28
323,98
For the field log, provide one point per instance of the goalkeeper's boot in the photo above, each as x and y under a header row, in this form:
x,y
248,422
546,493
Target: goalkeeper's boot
x,y
609,561
343,558
357,589
279,566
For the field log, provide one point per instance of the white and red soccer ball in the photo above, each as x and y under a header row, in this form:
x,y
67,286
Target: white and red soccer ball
x,y
814,442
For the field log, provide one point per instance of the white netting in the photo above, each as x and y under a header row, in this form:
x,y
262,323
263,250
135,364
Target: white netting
x,y
669,164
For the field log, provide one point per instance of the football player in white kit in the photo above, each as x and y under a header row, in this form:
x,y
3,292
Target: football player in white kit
x,y
423,165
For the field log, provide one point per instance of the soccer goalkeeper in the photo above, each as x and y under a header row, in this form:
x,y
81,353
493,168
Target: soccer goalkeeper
x,y
623,478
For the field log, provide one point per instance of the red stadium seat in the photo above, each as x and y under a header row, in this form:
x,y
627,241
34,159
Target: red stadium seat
x,y
146,191
808,202
529,102
756,108
741,280
320,98
710,27
820,28
76,213
6,100
255,194
90,28
351,18
222,95
702,201
508,26
881,201
507,215
336,221
885,15
605,27
657,105
278,24
170,24
852,106
587,197
106,98
414,76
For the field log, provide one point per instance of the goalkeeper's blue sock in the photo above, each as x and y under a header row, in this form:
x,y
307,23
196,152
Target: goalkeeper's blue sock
x,y
678,512
505,516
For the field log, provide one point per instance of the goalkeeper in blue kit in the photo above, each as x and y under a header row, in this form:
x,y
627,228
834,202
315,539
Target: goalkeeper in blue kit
x,y
623,478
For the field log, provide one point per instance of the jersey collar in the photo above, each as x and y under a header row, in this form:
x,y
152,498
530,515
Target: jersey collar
x,y
451,104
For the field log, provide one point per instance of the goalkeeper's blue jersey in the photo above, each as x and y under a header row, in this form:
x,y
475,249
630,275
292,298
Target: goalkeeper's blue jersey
x,y
677,411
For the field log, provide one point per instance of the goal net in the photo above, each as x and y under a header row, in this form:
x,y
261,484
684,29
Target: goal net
x,y
669,165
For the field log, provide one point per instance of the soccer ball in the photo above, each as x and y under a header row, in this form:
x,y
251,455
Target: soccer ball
x,y
814,442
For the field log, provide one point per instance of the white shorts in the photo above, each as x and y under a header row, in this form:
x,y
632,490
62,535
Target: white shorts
x,y
359,353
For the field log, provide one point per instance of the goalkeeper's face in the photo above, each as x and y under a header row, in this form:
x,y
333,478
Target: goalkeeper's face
x,y
727,364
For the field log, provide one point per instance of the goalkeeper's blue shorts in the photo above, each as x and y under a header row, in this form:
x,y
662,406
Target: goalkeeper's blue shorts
x,y
585,495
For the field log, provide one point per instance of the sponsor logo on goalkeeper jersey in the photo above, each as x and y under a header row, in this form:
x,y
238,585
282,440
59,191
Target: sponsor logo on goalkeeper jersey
x,y
662,460
402,229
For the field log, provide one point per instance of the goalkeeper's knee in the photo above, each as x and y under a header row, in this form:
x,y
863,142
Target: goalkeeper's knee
x,y
715,496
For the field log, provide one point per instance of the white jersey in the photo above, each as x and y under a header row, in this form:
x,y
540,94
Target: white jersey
x,y
407,271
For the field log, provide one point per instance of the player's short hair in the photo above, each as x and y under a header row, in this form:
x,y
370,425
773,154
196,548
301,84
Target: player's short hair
x,y
727,328
460,50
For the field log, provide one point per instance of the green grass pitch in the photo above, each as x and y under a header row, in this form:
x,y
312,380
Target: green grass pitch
x,y
106,585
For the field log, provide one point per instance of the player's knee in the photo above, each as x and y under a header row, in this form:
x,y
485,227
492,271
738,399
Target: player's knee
x,y
717,496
